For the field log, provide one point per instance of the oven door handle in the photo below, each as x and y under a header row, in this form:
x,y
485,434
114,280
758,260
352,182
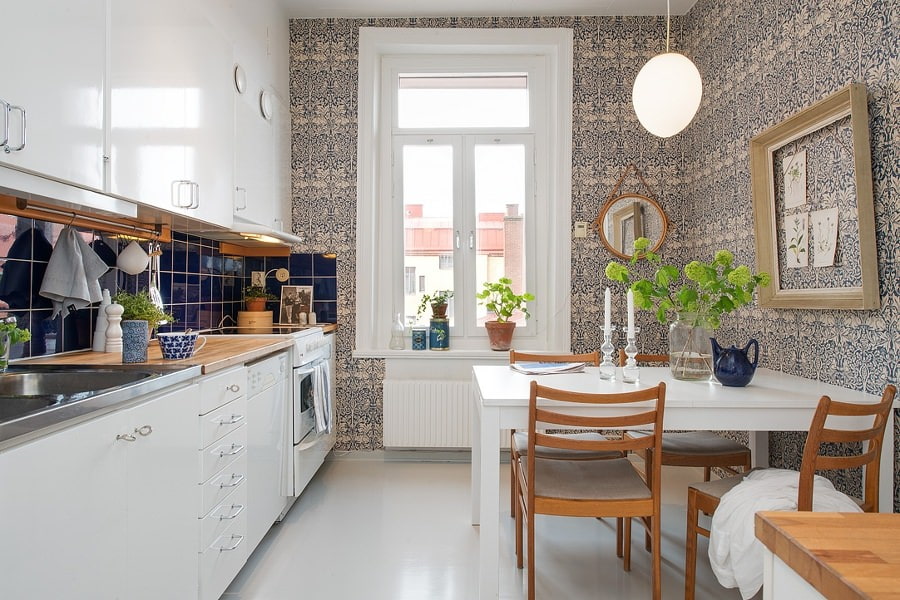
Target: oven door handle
x,y
309,369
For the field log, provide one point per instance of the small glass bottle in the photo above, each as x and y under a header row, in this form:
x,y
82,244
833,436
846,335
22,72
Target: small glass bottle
x,y
397,333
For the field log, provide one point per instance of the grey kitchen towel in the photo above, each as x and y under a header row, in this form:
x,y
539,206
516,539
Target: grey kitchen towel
x,y
71,277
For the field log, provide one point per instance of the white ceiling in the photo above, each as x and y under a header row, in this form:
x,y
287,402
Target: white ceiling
x,y
479,8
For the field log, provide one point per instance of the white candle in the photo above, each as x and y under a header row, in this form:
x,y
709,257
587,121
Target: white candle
x,y
630,297
607,312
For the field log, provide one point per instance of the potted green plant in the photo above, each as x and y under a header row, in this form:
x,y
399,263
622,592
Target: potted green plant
x,y
499,298
140,316
255,298
438,301
10,334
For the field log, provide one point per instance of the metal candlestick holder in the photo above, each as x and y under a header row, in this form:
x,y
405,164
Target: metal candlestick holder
x,y
631,372
607,366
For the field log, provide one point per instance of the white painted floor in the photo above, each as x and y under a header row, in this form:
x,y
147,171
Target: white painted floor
x,y
367,529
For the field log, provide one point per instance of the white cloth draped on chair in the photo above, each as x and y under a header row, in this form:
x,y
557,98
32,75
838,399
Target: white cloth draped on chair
x,y
736,556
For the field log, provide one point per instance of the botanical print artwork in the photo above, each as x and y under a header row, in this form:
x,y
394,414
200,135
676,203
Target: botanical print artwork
x,y
824,236
794,169
798,241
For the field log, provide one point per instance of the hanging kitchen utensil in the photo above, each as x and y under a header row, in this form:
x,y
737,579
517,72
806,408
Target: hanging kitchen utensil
x,y
155,294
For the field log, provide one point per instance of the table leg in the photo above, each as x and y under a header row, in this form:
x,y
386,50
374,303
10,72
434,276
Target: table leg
x,y
759,448
886,469
476,455
489,531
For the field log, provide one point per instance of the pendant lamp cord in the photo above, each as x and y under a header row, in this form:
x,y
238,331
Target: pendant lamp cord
x,y
668,16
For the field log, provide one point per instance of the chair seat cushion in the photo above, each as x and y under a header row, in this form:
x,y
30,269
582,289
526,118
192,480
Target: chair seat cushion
x,y
520,446
612,479
696,443
717,487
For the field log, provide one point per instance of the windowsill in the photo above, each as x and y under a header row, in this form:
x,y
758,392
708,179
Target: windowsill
x,y
434,354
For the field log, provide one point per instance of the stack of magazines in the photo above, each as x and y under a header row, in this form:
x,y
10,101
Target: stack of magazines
x,y
547,368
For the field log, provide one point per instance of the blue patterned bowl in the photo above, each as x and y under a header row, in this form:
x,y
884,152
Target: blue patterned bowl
x,y
177,345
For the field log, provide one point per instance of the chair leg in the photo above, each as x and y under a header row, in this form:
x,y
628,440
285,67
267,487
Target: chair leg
x,y
653,524
518,515
706,473
648,464
530,519
513,481
619,537
690,546
626,562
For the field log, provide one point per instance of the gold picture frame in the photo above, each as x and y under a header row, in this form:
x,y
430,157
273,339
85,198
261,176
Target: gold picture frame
x,y
839,123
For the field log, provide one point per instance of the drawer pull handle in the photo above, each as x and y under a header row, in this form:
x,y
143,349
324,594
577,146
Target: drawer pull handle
x,y
234,388
126,437
231,420
144,430
235,449
234,482
239,538
240,509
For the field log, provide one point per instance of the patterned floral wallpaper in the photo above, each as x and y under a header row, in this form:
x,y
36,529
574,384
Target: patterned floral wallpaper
x,y
760,63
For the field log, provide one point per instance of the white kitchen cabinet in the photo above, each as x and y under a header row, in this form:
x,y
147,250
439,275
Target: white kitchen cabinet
x,y
171,109
51,77
254,196
105,509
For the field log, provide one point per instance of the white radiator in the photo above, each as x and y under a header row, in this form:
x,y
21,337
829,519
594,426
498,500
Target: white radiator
x,y
427,414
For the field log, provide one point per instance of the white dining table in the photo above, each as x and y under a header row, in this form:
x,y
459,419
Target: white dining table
x,y
772,402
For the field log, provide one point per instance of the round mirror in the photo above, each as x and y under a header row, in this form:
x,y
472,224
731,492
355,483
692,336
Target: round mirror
x,y
628,217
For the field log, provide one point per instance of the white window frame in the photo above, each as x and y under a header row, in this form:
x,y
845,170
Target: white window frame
x,y
377,240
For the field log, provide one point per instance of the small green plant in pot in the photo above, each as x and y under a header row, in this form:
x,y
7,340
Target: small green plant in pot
x,y
140,307
499,298
438,301
10,334
256,296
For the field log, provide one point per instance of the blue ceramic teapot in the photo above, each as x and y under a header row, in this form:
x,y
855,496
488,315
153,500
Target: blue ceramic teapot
x,y
732,367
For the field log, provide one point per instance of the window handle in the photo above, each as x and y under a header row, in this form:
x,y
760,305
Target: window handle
x,y
457,239
471,240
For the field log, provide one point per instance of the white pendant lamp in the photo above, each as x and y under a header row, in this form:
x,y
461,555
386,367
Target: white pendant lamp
x,y
667,91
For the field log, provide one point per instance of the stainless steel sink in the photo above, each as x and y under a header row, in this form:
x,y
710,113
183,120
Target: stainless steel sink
x,y
36,399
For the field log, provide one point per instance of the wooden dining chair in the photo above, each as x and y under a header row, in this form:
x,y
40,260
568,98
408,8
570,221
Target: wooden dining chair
x,y
518,440
862,447
696,448
590,488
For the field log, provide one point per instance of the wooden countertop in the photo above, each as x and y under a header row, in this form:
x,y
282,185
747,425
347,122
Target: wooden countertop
x,y
220,352
842,555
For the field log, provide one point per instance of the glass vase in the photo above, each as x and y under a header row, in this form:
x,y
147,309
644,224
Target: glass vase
x,y
4,351
690,351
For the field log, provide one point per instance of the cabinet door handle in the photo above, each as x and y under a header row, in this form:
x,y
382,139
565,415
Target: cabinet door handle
x,y
240,509
235,449
126,437
234,482
21,145
5,106
243,194
234,536
195,195
232,420
234,388
143,430
177,197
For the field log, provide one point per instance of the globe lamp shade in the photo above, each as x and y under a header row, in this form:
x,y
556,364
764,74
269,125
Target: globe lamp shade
x,y
666,93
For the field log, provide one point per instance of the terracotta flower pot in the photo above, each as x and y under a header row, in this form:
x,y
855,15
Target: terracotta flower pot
x,y
439,311
500,334
255,304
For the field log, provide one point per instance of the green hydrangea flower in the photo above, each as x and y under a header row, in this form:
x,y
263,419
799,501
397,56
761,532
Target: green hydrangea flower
x,y
641,244
741,276
724,258
694,271
764,279
617,272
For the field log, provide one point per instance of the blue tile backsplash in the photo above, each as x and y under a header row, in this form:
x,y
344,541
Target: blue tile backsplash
x,y
199,284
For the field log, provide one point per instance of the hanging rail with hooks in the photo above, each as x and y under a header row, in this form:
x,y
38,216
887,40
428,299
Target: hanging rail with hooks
x,y
121,226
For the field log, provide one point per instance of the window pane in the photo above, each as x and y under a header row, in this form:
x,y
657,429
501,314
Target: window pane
x,y
462,100
500,207
428,219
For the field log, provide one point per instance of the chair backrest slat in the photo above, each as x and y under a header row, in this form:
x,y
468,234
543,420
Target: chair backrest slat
x,y
592,358
643,358
862,444
553,418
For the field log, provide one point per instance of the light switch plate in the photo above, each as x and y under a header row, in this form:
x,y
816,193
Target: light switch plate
x,y
580,229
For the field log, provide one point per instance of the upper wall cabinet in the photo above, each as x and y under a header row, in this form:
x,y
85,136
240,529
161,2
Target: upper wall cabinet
x,y
171,107
51,89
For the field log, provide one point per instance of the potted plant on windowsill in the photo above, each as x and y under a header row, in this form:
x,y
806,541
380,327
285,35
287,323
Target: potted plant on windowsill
x,y
500,299
438,301
255,298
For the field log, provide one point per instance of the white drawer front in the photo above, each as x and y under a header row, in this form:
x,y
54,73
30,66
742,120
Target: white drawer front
x,y
222,484
223,420
223,517
222,388
222,453
221,561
